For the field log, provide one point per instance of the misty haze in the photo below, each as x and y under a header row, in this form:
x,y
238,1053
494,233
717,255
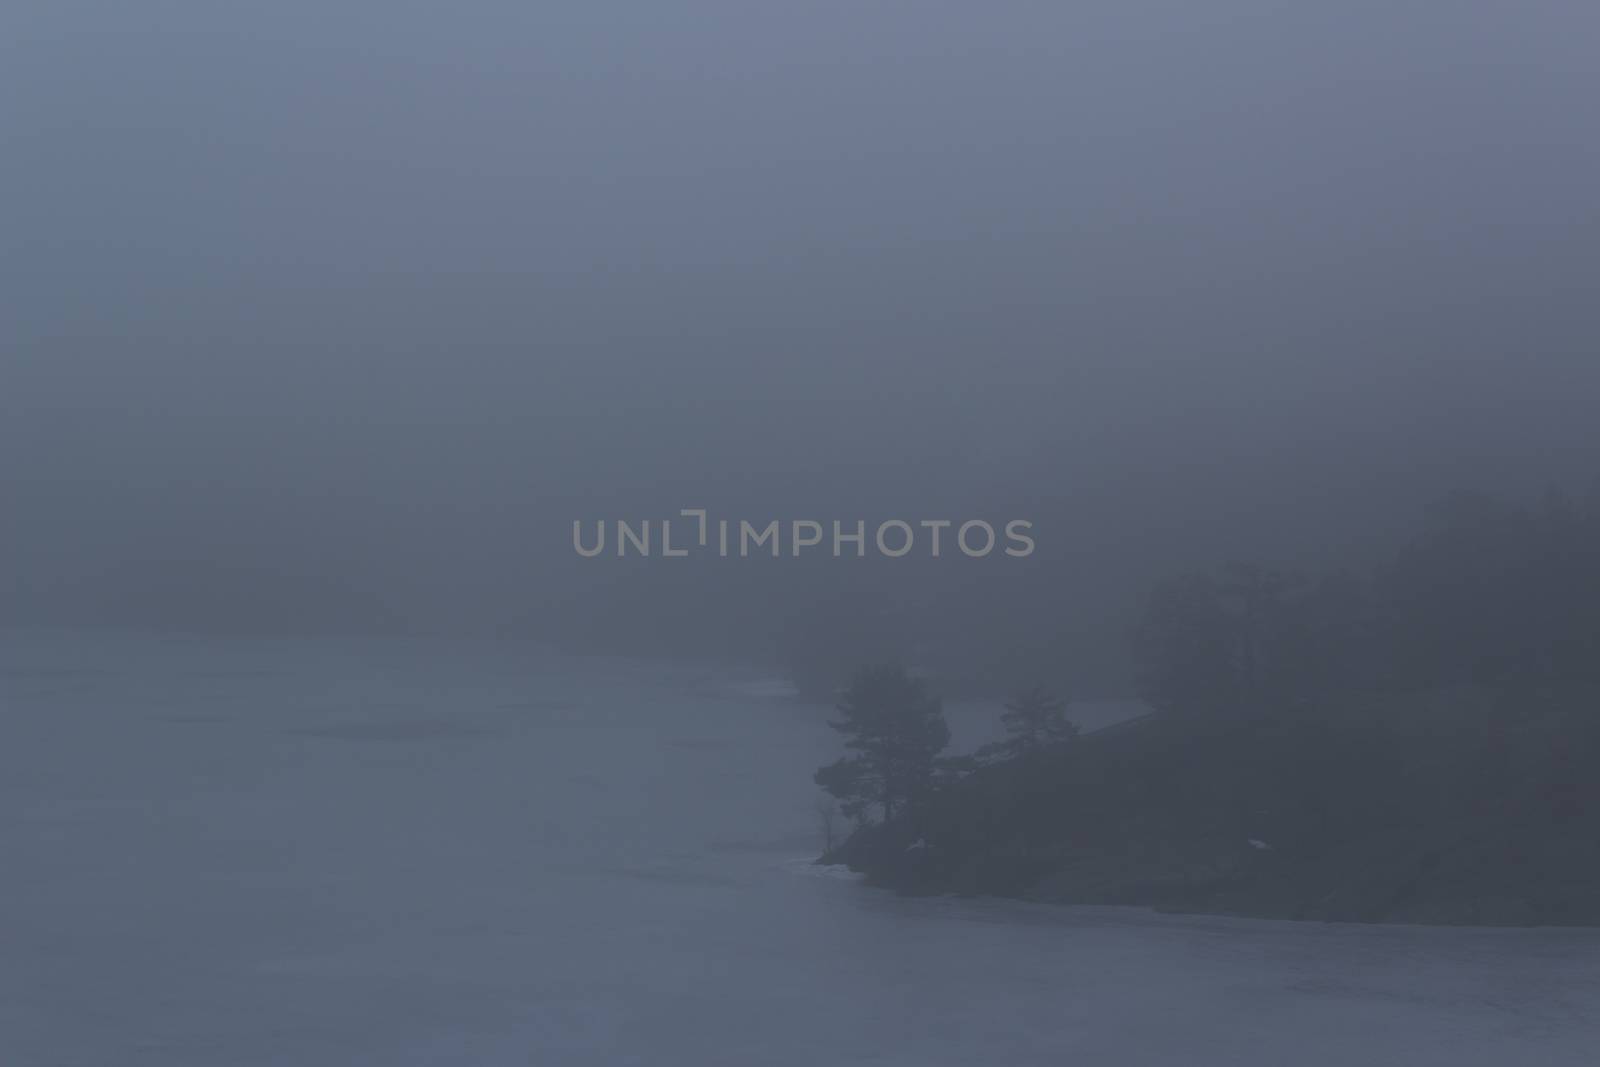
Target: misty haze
x,y
720,533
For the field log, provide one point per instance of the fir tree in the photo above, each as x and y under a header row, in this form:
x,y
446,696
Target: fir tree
x,y
1032,720
894,729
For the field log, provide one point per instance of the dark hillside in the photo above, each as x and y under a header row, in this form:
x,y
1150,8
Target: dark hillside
x,y
1458,808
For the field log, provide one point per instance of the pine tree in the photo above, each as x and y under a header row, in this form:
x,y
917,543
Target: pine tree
x,y
1036,718
895,729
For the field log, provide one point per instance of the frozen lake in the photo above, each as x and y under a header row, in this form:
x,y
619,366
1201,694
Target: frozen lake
x,y
227,853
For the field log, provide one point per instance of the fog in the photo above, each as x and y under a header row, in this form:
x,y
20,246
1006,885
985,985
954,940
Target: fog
x,y
1261,337
363,304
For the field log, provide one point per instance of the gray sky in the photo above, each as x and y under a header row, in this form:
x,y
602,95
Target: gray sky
x,y
383,295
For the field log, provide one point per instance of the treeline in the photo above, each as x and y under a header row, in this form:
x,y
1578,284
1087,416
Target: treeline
x,y
894,732
1414,742
1499,597
1488,593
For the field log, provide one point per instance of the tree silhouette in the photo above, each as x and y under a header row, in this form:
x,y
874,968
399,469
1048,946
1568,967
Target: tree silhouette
x,y
894,729
1034,719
